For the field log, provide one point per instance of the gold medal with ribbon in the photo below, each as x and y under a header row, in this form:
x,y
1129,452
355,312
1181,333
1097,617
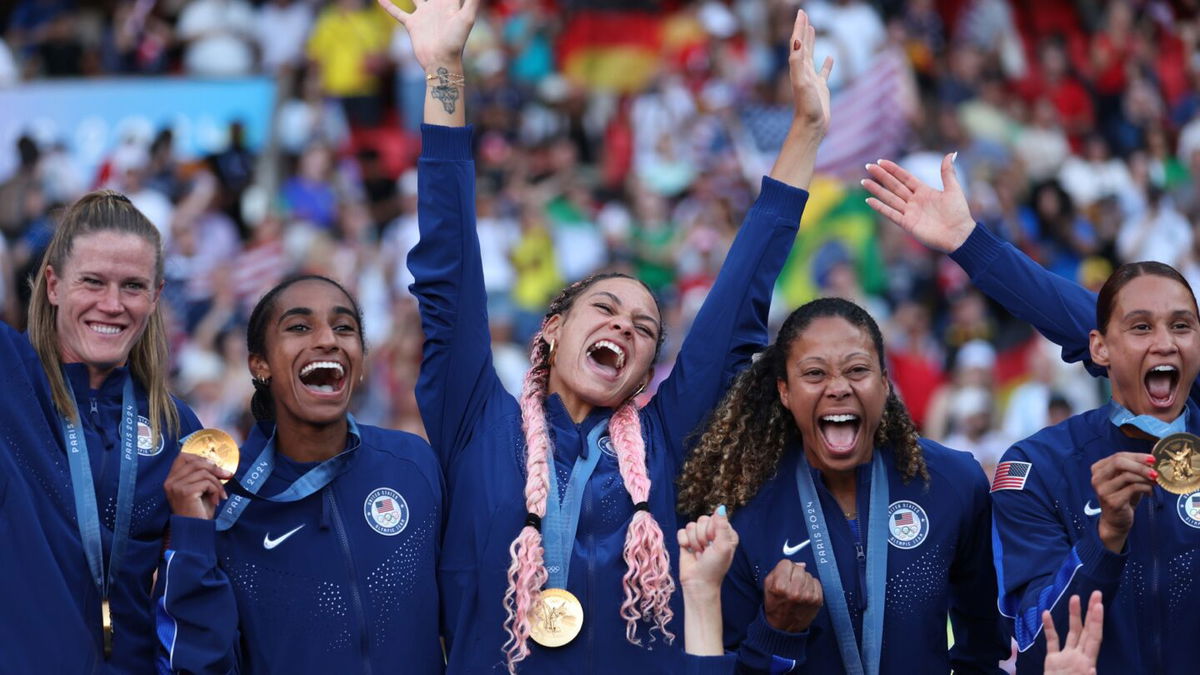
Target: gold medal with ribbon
x,y
557,618
1177,461
214,445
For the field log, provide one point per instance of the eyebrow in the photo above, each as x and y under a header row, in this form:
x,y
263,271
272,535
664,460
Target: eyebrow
x,y
1138,313
305,311
638,316
847,357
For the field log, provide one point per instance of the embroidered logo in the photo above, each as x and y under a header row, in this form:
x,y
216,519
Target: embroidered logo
x,y
145,439
606,446
269,543
1188,507
386,511
1089,510
1011,475
907,524
793,550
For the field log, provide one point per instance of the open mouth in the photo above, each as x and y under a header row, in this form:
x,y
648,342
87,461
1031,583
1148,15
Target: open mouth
x,y
323,377
840,432
607,356
1162,383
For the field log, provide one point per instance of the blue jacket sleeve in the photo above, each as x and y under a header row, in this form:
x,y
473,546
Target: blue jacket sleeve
x,y
457,376
1058,308
196,612
980,639
732,324
1037,565
760,648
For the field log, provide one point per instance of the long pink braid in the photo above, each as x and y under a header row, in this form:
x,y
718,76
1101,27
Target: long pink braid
x,y
648,583
527,573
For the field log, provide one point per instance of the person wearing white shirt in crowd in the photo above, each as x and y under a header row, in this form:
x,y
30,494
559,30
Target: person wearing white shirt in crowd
x,y
282,28
219,38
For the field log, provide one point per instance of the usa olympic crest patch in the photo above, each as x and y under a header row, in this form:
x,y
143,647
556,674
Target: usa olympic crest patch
x,y
386,511
145,439
1188,507
908,525
606,445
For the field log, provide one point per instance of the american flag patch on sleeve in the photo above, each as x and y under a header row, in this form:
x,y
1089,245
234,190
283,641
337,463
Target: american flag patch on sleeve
x,y
1011,475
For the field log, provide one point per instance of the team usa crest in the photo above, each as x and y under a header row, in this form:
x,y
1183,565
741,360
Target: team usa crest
x,y
908,525
386,512
1189,509
606,445
145,439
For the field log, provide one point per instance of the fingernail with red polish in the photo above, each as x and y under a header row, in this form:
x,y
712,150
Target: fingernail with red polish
x,y
795,45
1153,474
1150,460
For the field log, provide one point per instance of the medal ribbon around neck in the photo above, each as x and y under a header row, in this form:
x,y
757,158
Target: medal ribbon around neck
x,y
856,661
316,478
87,511
1119,415
562,519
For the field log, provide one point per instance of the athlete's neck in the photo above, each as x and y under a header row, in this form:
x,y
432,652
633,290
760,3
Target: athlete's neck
x,y
301,442
576,407
844,487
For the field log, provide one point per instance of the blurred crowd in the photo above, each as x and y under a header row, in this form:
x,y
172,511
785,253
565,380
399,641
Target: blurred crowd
x,y
631,135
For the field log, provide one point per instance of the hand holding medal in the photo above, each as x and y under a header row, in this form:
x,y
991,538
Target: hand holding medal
x,y
195,485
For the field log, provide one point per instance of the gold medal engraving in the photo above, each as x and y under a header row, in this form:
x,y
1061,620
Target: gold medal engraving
x,y
106,623
557,618
1177,461
214,445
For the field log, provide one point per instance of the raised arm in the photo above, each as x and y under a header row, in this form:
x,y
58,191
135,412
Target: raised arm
x,y
457,377
732,324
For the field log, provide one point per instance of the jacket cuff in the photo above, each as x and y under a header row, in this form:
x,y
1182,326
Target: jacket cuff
x,y
710,665
767,640
1098,562
446,143
782,199
978,251
194,535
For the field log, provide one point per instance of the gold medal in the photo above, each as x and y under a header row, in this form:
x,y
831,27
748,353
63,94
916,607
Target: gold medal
x,y
557,618
106,623
214,445
1177,461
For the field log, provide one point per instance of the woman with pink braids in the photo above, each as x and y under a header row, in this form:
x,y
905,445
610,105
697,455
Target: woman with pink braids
x,y
553,556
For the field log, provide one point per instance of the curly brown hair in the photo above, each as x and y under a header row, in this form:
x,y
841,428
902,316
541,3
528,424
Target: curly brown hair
x,y
750,430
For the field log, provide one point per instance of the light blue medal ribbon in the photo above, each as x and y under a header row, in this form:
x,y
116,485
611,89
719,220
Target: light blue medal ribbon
x,y
312,481
87,512
1119,415
562,519
866,660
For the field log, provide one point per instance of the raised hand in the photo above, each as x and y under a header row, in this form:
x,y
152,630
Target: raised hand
x,y
194,488
791,597
939,219
810,89
706,548
439,30
1120,481
1078,654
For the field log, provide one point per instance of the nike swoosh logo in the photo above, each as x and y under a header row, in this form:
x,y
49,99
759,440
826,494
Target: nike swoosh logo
x,y
269,543
1089,511
793,550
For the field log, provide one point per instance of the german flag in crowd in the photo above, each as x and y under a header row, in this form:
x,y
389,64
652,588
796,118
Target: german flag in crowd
x,y
613,45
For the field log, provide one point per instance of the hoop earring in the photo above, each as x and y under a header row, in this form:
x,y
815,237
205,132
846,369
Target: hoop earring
x,y
638,392
261,381
553,347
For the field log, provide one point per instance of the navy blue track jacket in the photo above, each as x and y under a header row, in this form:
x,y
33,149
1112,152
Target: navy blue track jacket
x,y
474,425
342,581
51,617
1047,545
939,564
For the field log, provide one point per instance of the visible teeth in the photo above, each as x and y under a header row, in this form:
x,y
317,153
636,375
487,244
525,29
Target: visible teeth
x,y
105,329
323,388
839,418
322,364
1163,369
616,348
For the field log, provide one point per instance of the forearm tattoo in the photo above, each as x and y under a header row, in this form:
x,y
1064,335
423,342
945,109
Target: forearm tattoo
x,y
445,91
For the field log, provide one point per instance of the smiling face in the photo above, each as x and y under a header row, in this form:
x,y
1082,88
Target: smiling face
x,y
604,345
314,353
1150,346
836,391
104,295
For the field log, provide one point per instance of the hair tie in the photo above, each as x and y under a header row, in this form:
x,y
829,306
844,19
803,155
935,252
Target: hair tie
x,y
642,506
533,520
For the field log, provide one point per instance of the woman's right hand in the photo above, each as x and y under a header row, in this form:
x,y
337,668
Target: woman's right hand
x,y
438,29
939,219
791,597
194,487
810,88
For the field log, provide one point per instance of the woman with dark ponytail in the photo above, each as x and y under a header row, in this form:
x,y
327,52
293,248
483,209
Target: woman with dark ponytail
x,y
857,537
555,558
323,557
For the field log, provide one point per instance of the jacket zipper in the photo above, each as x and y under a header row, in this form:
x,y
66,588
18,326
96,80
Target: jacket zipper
x,y
355,596
1155,602
591,540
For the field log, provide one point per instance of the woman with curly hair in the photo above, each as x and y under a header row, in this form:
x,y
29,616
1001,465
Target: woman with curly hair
x,y
857,536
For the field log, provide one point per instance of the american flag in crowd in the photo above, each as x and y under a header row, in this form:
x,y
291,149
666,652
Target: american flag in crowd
x,y
903,518
385,505
1011,475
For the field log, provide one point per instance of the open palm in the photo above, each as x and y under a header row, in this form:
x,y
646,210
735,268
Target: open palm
x,y
1078,654
939,219
438,29
810,87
